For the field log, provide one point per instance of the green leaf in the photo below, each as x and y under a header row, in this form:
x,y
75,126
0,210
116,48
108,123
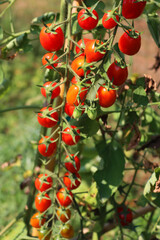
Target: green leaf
x,y
75,26
35,29
153,22
46,17
140,96
111,176
95,236
16,233
1,33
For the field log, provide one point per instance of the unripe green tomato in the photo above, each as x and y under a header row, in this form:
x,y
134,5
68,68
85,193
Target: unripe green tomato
x,y
92,113
77,113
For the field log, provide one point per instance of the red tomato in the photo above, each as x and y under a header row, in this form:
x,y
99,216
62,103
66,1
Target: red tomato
x,y
129,45
63,198
47,89
74,80
89,22
67,179
82,44
108,22
90,51
51,41
132,9
46,148
125,215
64,214
42,203
117,74
73,168
69,109
50,57
72,95
43,182
37,221
44,233
77,65
45,117
67,231
67,136
106,97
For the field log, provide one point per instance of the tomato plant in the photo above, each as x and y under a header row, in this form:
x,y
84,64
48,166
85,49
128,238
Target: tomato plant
x,y
37,221
43,182
64,214
106,97
125,215
49,57
46,147
64,198
68,136
107,20
117,74
132,9
46,118
74,92
70,166
82,44
72,181
91,52
77,66
42,202
86,19
44,234
50,89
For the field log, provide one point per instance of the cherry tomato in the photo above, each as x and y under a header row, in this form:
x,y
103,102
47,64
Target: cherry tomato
x,y
69,109
64,199
51,41
44,233
89,22
49,56
45,117
64,214
106,97
117,74
47,89
72,180
43,182
82,44
108,22
72,95
90,51
67,231
129,45
46,149
68,136
42,203
69,164
74,80
125,215
77,65
37,221
132,9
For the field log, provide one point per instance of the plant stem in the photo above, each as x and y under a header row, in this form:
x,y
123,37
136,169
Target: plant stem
x,y
4,11
19,108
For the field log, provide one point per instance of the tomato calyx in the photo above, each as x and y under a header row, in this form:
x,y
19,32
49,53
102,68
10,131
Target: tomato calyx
x,y
132,33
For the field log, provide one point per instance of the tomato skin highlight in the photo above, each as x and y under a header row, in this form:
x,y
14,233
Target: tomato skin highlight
x,y
49,56
106,97
88,23
77,65
45,185
128,45
68,139
132,9
54,93
125,215
117,74
109,23
42,147
36,222
68,183
80,43
91,54
64,217
69,165
45,121
41,203
64,201
50,41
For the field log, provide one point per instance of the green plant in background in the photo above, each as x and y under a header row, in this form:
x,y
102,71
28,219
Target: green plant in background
x,y
110,123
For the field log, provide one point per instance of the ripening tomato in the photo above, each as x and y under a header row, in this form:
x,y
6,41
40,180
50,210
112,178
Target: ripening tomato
x,y
72,180
77,65
128,44
132,9
51,41
45,117
37,221
69,137
117,74
73,94
108,22
89,22
49,56
92,55
42,202
70,166
106,97
82,44
67,231
43,182
64,199
125,215
50,89
64,214
46,148
44,233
